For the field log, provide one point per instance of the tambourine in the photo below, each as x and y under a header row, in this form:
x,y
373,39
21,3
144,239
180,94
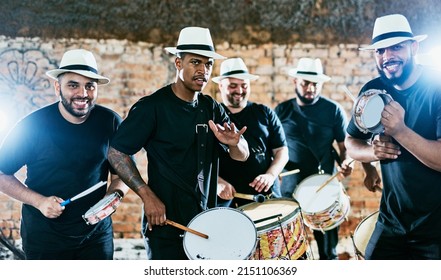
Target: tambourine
x,y
102,209
368,108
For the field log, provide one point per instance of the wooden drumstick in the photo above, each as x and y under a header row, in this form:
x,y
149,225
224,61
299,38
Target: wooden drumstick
x,y
186,228
257,197
327,182
330,179
283,174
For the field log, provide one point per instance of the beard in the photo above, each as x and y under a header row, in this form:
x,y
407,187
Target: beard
x,y
67,104
307,101
397,80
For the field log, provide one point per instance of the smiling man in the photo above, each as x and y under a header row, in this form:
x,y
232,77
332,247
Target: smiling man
x,y
409,149
64,147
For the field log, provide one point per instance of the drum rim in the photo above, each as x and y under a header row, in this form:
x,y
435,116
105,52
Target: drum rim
x,y
109,198
357,249
284,221
310,176
378,128
220,208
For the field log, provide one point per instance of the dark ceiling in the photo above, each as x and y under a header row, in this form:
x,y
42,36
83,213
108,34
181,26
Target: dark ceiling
x,y
238,21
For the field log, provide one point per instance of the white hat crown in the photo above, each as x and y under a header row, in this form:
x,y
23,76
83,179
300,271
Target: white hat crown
x,y
391,30
195,40
309,69
81,62
234,68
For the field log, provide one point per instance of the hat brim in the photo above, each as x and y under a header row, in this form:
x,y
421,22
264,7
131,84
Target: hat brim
x,y
244,76
210,54
392,41
100,79
319,78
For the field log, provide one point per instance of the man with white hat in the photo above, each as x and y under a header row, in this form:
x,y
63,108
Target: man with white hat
x,y
265,137
409,221
64,147
182,131
312,124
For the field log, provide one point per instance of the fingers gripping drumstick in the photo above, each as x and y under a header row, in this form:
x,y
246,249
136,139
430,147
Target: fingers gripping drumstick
x,y
186,228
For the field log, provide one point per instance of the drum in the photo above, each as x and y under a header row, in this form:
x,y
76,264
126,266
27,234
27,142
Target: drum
x,y
363,233
231,235
102,209
324,209
368,108
279,227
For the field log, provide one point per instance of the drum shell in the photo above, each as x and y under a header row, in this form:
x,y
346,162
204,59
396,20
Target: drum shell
x,y
323,209
281,237
102,209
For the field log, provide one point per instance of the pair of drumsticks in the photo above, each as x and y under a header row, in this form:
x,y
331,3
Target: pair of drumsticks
x,y
258,198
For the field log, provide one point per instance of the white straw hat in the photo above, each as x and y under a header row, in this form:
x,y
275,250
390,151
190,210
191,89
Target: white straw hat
x,y
81,62
195,40
234,68
309,69
391,30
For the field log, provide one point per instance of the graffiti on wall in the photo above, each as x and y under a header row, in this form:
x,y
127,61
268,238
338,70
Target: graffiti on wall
x,y
24,87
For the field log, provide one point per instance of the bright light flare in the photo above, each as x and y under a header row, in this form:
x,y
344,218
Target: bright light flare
x,y
431,58
4,121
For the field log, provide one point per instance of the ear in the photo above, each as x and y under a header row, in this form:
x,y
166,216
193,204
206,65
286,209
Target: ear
x,y
57,88
178,63
414,47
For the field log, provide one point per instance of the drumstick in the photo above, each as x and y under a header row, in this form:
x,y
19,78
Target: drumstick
x,y
186,228
84,193
327,182
346,90
257,197
283,174
330,179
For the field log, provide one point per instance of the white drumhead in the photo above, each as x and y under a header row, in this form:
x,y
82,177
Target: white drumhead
x,y
312,201
231,235
286,208
371,116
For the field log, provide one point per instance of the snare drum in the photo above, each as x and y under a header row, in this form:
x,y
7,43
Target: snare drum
x,y
279,227
102,209
363,233
368,108
231,235
324,209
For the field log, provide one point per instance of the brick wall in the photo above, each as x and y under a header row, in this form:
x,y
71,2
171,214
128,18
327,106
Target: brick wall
x,y
137,69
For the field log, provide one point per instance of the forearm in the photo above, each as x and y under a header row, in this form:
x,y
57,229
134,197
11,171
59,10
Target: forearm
x,y
240,151
359,150
15,189
126,170
426,151
280,160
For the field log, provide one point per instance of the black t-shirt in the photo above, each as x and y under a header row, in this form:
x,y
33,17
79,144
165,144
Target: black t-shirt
x,y
264,133
61,159
411,193
310,132
165,126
